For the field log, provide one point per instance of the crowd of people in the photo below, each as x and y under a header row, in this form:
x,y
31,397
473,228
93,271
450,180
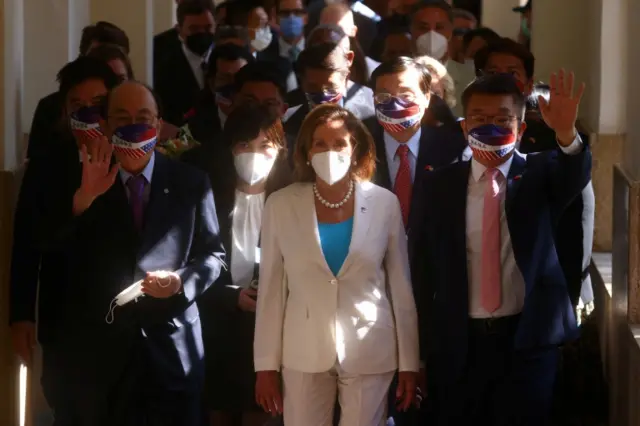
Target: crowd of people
x,y
320,213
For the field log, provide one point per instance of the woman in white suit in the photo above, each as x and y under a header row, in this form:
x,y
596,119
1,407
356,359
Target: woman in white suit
x,y
335,311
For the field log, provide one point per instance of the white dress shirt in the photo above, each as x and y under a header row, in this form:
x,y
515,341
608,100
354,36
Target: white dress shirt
x,y
393,161
195,62
245,236
513,285
222,117
147,172
285,48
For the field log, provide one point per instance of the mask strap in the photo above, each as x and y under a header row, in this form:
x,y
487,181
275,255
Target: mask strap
x,y
109,318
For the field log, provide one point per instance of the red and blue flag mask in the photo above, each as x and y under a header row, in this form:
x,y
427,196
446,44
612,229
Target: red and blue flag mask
x,y
319,98
134,140
397,115
85,124
490,142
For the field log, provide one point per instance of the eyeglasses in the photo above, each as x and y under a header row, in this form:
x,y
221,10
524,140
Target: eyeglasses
x,y
498,120
124,120
383,98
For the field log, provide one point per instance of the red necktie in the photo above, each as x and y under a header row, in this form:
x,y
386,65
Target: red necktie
x,y
403,184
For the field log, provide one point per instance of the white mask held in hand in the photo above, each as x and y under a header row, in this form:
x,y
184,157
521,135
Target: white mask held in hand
x,y
432,44
262,39
253,167
331,166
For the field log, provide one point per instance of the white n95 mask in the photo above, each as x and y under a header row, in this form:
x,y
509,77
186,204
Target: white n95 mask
x,y
253,167
432,44
262,39
331,166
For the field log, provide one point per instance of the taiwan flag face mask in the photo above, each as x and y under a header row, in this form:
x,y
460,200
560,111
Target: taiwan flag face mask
x,y
134,140
85,124
490,142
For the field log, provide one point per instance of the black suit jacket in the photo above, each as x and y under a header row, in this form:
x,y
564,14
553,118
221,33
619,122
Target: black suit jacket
x,y
106,254
204,123
46,126
36,270
165,45
176,86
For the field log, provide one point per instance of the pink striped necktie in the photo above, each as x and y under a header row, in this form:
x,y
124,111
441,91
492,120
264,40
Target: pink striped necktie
x,y
491,266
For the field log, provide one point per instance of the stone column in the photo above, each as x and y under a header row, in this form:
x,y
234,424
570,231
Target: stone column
x,y
11,78
164,15
500,17
136,18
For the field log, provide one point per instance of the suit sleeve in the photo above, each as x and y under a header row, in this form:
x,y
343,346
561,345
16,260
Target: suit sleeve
x,y
570,172
396,263
272,294
26,255
40,133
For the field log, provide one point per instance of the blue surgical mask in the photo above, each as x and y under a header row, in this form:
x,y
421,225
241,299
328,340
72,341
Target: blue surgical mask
x,y
291,26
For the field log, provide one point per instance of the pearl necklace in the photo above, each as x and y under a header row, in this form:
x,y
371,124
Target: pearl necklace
x,y
333,205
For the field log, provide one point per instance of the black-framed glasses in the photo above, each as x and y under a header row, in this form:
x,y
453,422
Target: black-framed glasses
x,y
498,120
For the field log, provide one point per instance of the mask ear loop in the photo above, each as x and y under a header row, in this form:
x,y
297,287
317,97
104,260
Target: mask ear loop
x,y
109,318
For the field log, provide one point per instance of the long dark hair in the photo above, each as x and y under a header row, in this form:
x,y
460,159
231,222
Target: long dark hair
x,y
244,124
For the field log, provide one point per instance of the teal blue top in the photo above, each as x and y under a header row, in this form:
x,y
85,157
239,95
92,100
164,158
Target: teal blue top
x,y
335,239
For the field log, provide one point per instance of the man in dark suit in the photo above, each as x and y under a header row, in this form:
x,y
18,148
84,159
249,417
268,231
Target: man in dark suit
x,y
179,74
574,230
150,221
165,45
492,298
45,126
36,273
405,147
324,70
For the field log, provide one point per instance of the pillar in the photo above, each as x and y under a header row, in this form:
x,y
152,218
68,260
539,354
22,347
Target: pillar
x,y
500,17
164,15
136,18
11,39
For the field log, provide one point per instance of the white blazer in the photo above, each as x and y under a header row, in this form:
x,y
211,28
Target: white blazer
x,y
307,318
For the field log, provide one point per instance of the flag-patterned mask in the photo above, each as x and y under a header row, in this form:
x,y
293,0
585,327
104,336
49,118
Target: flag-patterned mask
x,y
491,142
224,95
85,124
134,140
320,98
397,115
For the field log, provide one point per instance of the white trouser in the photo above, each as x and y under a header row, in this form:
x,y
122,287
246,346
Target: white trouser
x,y
309,398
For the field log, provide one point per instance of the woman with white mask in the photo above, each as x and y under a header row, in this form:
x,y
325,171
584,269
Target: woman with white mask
x,y
243,178
335,312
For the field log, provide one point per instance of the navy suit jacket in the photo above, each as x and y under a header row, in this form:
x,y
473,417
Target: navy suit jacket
x,y
539,188
106,254
439,147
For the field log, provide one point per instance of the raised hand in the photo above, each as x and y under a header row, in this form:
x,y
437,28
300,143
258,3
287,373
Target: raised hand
x,y
561,111
97,172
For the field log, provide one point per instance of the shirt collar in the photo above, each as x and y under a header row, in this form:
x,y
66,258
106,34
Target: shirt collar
x,y
222,116
147,172
286,47
477,169
392,145
193,58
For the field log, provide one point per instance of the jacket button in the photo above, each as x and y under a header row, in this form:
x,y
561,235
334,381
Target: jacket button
x,y
334,282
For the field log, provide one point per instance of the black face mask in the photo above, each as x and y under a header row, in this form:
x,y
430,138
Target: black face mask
x,y
199,43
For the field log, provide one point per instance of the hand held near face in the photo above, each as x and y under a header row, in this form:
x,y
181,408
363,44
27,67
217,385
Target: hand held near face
x,y
98,174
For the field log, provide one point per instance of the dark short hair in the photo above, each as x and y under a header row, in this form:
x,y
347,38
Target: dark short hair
x,y
496,85
238,12
364,148
227,32
487,34
402,64
325,33
82,69
260,72
227,52
323,56
438,4
505,46
103,32
193,7
155,96
111,52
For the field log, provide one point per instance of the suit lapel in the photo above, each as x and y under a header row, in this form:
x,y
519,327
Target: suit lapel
x,y
382,166
306,212
362,216
518,167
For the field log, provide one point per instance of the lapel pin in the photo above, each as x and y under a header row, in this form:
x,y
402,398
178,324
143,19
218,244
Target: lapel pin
x,y
363,209
517,177
166,190
428,168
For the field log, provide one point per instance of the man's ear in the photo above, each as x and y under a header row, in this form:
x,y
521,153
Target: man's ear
x,y
521,130
350,55
463,126
354,31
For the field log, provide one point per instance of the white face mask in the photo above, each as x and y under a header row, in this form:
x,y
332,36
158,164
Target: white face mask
x,y
253,167
262,40
331,166
432,44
